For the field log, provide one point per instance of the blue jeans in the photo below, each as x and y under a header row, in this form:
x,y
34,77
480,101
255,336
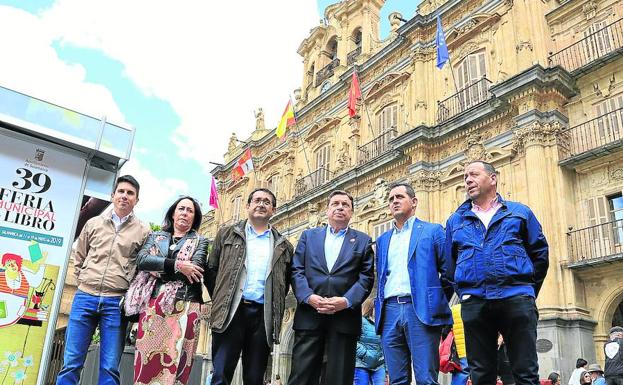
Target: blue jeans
x,y
460,378
370,377
87,312
407,340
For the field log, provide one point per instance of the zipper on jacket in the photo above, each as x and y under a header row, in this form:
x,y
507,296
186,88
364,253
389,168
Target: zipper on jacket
x,y
109,253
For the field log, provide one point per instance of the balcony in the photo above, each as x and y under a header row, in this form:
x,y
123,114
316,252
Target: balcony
x,y
315,179
596,244
468,97
326,72
601,135
352,56
595,46
377,146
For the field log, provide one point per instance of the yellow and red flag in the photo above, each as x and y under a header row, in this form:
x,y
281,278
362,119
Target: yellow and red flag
x,y
243,166
287,120
353,95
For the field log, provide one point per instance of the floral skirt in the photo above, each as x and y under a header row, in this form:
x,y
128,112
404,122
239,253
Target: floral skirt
x,y
166,343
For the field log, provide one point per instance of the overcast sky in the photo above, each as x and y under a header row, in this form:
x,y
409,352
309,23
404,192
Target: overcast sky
x,y
185,74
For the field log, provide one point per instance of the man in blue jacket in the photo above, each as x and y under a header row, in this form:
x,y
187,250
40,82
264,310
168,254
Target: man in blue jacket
x,y
412,300
499,261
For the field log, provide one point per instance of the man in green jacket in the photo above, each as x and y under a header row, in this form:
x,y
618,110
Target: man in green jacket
x,y
248,278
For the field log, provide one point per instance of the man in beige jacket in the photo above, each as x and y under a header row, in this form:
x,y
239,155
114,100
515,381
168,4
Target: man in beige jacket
x,y
104,259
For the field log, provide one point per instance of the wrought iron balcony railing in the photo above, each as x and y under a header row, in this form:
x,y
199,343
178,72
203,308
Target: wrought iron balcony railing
x,y
326,72
352,56
463,100
596,243
315,179
602,131
376,146
592,47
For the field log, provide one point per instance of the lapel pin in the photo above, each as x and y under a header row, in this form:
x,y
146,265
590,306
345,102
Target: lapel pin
x,y
352,240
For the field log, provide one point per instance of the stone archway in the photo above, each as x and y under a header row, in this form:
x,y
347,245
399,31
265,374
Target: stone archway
x,y
609,311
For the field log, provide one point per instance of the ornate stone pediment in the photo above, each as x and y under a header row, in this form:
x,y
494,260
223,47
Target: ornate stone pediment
x,y
320,127
272,158
424,180
316,35
589,9
385,82
474,148
472,28
235,183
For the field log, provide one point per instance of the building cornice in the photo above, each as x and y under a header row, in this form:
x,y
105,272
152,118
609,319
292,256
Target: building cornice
x,y
556,78
343,180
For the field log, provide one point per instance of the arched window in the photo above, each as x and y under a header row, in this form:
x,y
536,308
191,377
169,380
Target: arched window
x,y
469,72
272,183
323,159
332,48
356,47
598,40
235,208
310,74
388,118
357,37
471,69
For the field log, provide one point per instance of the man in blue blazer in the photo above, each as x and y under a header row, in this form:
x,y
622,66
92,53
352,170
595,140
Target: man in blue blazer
x,y
411,306
332,274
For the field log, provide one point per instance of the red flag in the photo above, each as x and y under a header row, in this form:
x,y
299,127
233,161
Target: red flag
x,y
353,95
213,194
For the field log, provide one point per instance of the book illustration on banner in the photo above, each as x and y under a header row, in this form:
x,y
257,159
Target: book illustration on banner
x,y
23,286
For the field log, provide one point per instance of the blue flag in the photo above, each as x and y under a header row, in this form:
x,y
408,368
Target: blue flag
x,y
442,49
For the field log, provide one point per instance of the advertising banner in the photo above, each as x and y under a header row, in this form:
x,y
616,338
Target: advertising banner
x,y
40,188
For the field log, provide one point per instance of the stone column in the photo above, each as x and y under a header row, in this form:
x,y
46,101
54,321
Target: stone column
x,y
355,137
424,183
420,98
565,335
343,41
366,28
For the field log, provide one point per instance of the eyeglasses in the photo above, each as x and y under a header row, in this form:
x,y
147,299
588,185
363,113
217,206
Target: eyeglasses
x,y
263,202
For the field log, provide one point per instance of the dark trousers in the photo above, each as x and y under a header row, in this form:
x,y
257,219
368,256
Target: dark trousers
x,y
614,380
505,372
245,334
516,318
308,351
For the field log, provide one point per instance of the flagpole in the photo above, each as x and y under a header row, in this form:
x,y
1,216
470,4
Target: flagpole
x,y
440,40
217,203
365,106
456,87
302,140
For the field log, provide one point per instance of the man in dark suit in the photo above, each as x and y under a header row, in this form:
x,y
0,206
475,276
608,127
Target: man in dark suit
x,y
412,301
332,274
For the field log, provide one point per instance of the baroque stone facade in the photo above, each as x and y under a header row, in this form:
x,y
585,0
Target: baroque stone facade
x,y
536,90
